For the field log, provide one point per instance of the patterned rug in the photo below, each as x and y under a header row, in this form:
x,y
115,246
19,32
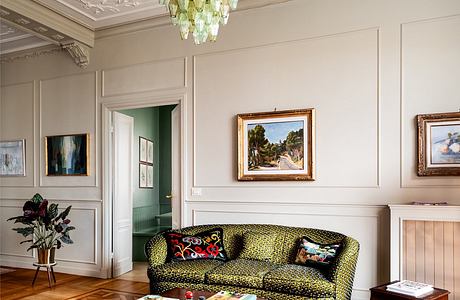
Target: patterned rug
x,y
107,294
4,270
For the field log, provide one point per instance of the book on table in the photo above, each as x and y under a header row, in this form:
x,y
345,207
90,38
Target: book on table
x,y
410,288
156,297
223,295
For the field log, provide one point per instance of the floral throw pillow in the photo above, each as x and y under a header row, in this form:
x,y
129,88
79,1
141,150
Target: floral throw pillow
x,y
204,245
315,254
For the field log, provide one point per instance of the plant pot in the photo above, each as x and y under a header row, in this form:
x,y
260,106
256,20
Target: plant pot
x,y
46,256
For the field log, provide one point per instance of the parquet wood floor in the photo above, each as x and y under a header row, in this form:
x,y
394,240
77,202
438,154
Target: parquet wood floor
x,y
18,285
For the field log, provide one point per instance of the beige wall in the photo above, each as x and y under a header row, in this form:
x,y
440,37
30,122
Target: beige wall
x,y
368,67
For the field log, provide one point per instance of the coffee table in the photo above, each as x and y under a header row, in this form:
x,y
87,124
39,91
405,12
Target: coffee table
x,y
179,293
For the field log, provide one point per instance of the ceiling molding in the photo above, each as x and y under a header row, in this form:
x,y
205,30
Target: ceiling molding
x,y
47,17
26,54
164,20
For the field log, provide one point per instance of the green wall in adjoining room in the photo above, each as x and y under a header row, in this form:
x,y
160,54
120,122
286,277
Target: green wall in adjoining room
x,y
153,123
165,157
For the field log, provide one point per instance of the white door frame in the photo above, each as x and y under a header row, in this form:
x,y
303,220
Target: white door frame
x,y
131,102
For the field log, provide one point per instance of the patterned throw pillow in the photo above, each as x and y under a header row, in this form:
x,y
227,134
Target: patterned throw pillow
x,y
315,254
204,245
258,246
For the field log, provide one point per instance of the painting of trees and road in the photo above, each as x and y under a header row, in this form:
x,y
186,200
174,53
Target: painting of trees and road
x,y
276,146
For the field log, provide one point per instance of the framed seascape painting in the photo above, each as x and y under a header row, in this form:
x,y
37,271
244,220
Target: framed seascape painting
x,y
439,144
276,145
67,155
12,158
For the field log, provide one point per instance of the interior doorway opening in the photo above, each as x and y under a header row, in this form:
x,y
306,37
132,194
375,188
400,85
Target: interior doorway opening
x,y
145,178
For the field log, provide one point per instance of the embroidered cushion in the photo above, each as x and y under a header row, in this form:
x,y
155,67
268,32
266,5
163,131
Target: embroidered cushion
x,y
258,246
315,254
204,245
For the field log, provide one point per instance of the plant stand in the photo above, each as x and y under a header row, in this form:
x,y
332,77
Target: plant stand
x,y
49,270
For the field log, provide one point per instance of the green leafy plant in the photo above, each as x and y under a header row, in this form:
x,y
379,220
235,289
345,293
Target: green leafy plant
x,y
45,226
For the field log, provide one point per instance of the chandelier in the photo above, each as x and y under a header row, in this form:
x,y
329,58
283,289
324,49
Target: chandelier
x,y
202,18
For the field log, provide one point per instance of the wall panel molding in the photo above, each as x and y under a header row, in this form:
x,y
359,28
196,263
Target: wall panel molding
x,y
30,152
365,223
424,36
169,74
197,61
73,181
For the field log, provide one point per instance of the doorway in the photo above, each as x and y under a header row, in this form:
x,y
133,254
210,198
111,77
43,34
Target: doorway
x,y
146,188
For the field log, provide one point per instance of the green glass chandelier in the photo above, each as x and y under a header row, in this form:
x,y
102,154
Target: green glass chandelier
x,y
202,18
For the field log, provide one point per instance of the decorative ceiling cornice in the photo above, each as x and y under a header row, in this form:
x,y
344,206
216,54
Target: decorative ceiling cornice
x,y
26,54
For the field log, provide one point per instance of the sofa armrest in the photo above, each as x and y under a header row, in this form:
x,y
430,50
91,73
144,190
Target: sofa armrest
x,y
156,250
342,272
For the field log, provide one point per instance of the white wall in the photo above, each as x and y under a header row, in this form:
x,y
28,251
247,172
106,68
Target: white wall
x,y
368,67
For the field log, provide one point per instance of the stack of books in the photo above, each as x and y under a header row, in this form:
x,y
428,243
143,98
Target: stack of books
x,y
410,288
223,295
156,297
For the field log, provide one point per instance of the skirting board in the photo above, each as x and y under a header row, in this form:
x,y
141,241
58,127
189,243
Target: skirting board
x,y
102,273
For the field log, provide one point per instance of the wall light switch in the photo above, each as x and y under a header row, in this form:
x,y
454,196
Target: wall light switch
x,y
196,192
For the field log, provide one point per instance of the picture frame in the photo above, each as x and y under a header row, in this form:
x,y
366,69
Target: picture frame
x,y
142,149
276,146
145,176
149,176
438,144
142,176
149,152
67,155
13,158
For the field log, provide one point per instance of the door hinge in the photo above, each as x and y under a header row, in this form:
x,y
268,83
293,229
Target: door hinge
x,y
111,255
112,129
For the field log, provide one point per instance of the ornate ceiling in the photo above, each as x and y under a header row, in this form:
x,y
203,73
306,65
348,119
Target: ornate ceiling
x,y
98,14
13,39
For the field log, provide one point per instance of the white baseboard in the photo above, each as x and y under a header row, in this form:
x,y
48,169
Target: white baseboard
x,y
74,270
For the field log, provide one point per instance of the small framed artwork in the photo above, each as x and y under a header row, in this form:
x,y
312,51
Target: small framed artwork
x,y
142,149
149,152
149,176
67,155
142,175
276,145
12,158
439,144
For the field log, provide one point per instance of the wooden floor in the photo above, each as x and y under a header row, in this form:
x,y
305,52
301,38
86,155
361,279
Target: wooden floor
x,y
18,284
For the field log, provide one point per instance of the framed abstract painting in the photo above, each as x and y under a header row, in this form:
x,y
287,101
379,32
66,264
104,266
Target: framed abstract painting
x,y
12,158
438,144
67,155
276,145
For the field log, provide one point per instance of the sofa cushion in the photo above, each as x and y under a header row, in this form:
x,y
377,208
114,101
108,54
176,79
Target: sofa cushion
x,y
204,245
258,245
299,280
193,271
315,254
241,272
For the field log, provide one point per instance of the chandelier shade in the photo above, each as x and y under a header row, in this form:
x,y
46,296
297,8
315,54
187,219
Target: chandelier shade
x,y
201,18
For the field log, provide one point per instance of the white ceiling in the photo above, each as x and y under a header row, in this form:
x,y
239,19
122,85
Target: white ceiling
x,y
13,39
98,14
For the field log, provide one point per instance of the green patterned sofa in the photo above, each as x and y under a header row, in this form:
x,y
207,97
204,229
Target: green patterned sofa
x,y
277,279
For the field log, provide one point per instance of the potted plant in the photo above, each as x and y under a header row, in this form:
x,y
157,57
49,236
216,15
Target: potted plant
x,y
47,227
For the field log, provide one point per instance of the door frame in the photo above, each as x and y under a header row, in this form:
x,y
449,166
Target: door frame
x,y
132,102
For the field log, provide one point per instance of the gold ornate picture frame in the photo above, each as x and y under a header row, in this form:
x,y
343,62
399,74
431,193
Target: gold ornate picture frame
x,y
276,146
438,144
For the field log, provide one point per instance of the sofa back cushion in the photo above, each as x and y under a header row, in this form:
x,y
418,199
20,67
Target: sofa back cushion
x,y
286,242
258,245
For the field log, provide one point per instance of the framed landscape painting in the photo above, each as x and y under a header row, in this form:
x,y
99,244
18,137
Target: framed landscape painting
x,y
439,144
67,155
276,145
12,158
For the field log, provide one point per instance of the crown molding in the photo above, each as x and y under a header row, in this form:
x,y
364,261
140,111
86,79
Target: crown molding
x,y
30,53
47,17
163,20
